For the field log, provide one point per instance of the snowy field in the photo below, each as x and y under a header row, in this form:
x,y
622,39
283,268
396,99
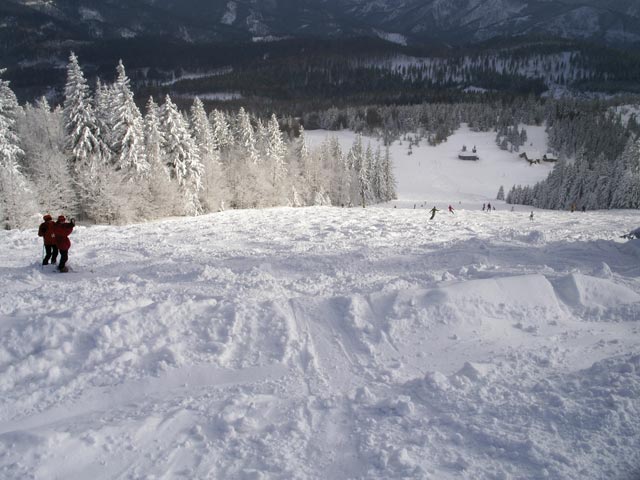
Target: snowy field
x,y
330,343
435,174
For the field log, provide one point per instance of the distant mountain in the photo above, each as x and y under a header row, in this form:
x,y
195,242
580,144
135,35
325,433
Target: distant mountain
x,y
326,47
452,21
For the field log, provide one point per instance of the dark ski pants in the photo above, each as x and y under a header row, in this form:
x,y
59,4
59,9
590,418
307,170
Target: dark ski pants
x,y
52,254
64,256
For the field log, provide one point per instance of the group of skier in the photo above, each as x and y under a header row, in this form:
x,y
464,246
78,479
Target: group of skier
x,y
56,240
434,210
486,207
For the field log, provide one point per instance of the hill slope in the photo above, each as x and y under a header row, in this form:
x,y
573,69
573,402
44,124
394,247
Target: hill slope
x,y
325,343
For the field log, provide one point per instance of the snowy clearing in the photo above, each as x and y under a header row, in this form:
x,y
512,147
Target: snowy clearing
x,y
321,342
435,174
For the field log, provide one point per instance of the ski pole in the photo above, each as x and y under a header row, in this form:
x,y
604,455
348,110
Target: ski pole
x,y
42,261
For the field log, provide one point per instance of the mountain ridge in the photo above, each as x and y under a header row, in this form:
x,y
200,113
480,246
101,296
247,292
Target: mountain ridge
x,y
453,21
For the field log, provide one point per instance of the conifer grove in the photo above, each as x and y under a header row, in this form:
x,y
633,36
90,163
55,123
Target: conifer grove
x,y
100,159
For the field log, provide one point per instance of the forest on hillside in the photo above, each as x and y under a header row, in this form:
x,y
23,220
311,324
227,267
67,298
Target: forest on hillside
x,y
291,76
98,157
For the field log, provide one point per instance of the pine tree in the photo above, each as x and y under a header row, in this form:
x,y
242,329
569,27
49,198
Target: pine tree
x,y
43,141
389,179
247,176
181,156
627,184
579,184
275,153
368,176
162,197
103,106
153,136
222,136
307,175
354,161
500,195
246,137
203,132
16,200
377,176
127,137
362,161
83,136
342,179
208,154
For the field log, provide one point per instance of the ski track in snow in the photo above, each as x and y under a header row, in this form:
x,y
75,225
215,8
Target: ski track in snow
x,y
323,342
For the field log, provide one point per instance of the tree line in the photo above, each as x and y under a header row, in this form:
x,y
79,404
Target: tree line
x,y
598,150
599,165
99,158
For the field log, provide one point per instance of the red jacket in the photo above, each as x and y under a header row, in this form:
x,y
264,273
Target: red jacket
x,y
47,230
62,231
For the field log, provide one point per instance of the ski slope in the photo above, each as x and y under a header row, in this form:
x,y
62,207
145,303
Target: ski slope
x,y
435,174
322,343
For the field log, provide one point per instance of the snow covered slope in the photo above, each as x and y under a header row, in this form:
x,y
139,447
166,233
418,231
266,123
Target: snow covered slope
x,y
435,174
321,343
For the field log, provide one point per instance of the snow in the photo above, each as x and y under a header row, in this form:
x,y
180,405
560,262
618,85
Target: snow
x,y
435,174
269,38
472,89
230,14
392,37
90,14
331,342
627,112
216,96
198,75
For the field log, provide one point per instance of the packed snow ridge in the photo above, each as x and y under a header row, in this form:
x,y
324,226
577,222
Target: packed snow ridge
x,y
328,342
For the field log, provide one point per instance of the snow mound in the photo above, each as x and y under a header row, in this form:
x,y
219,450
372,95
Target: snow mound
x,y
523,297
534,237
598,296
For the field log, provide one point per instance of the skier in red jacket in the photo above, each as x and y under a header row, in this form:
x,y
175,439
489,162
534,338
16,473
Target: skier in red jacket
x,y
62,230
46,231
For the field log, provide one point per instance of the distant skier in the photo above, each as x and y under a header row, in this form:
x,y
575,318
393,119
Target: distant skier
x,y
451,210
62,230
46,231
433,212
531,217
584,208
488,207
484,207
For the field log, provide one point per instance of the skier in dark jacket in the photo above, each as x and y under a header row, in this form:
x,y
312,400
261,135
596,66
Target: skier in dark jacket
x,y
62,230
46,231
433,212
